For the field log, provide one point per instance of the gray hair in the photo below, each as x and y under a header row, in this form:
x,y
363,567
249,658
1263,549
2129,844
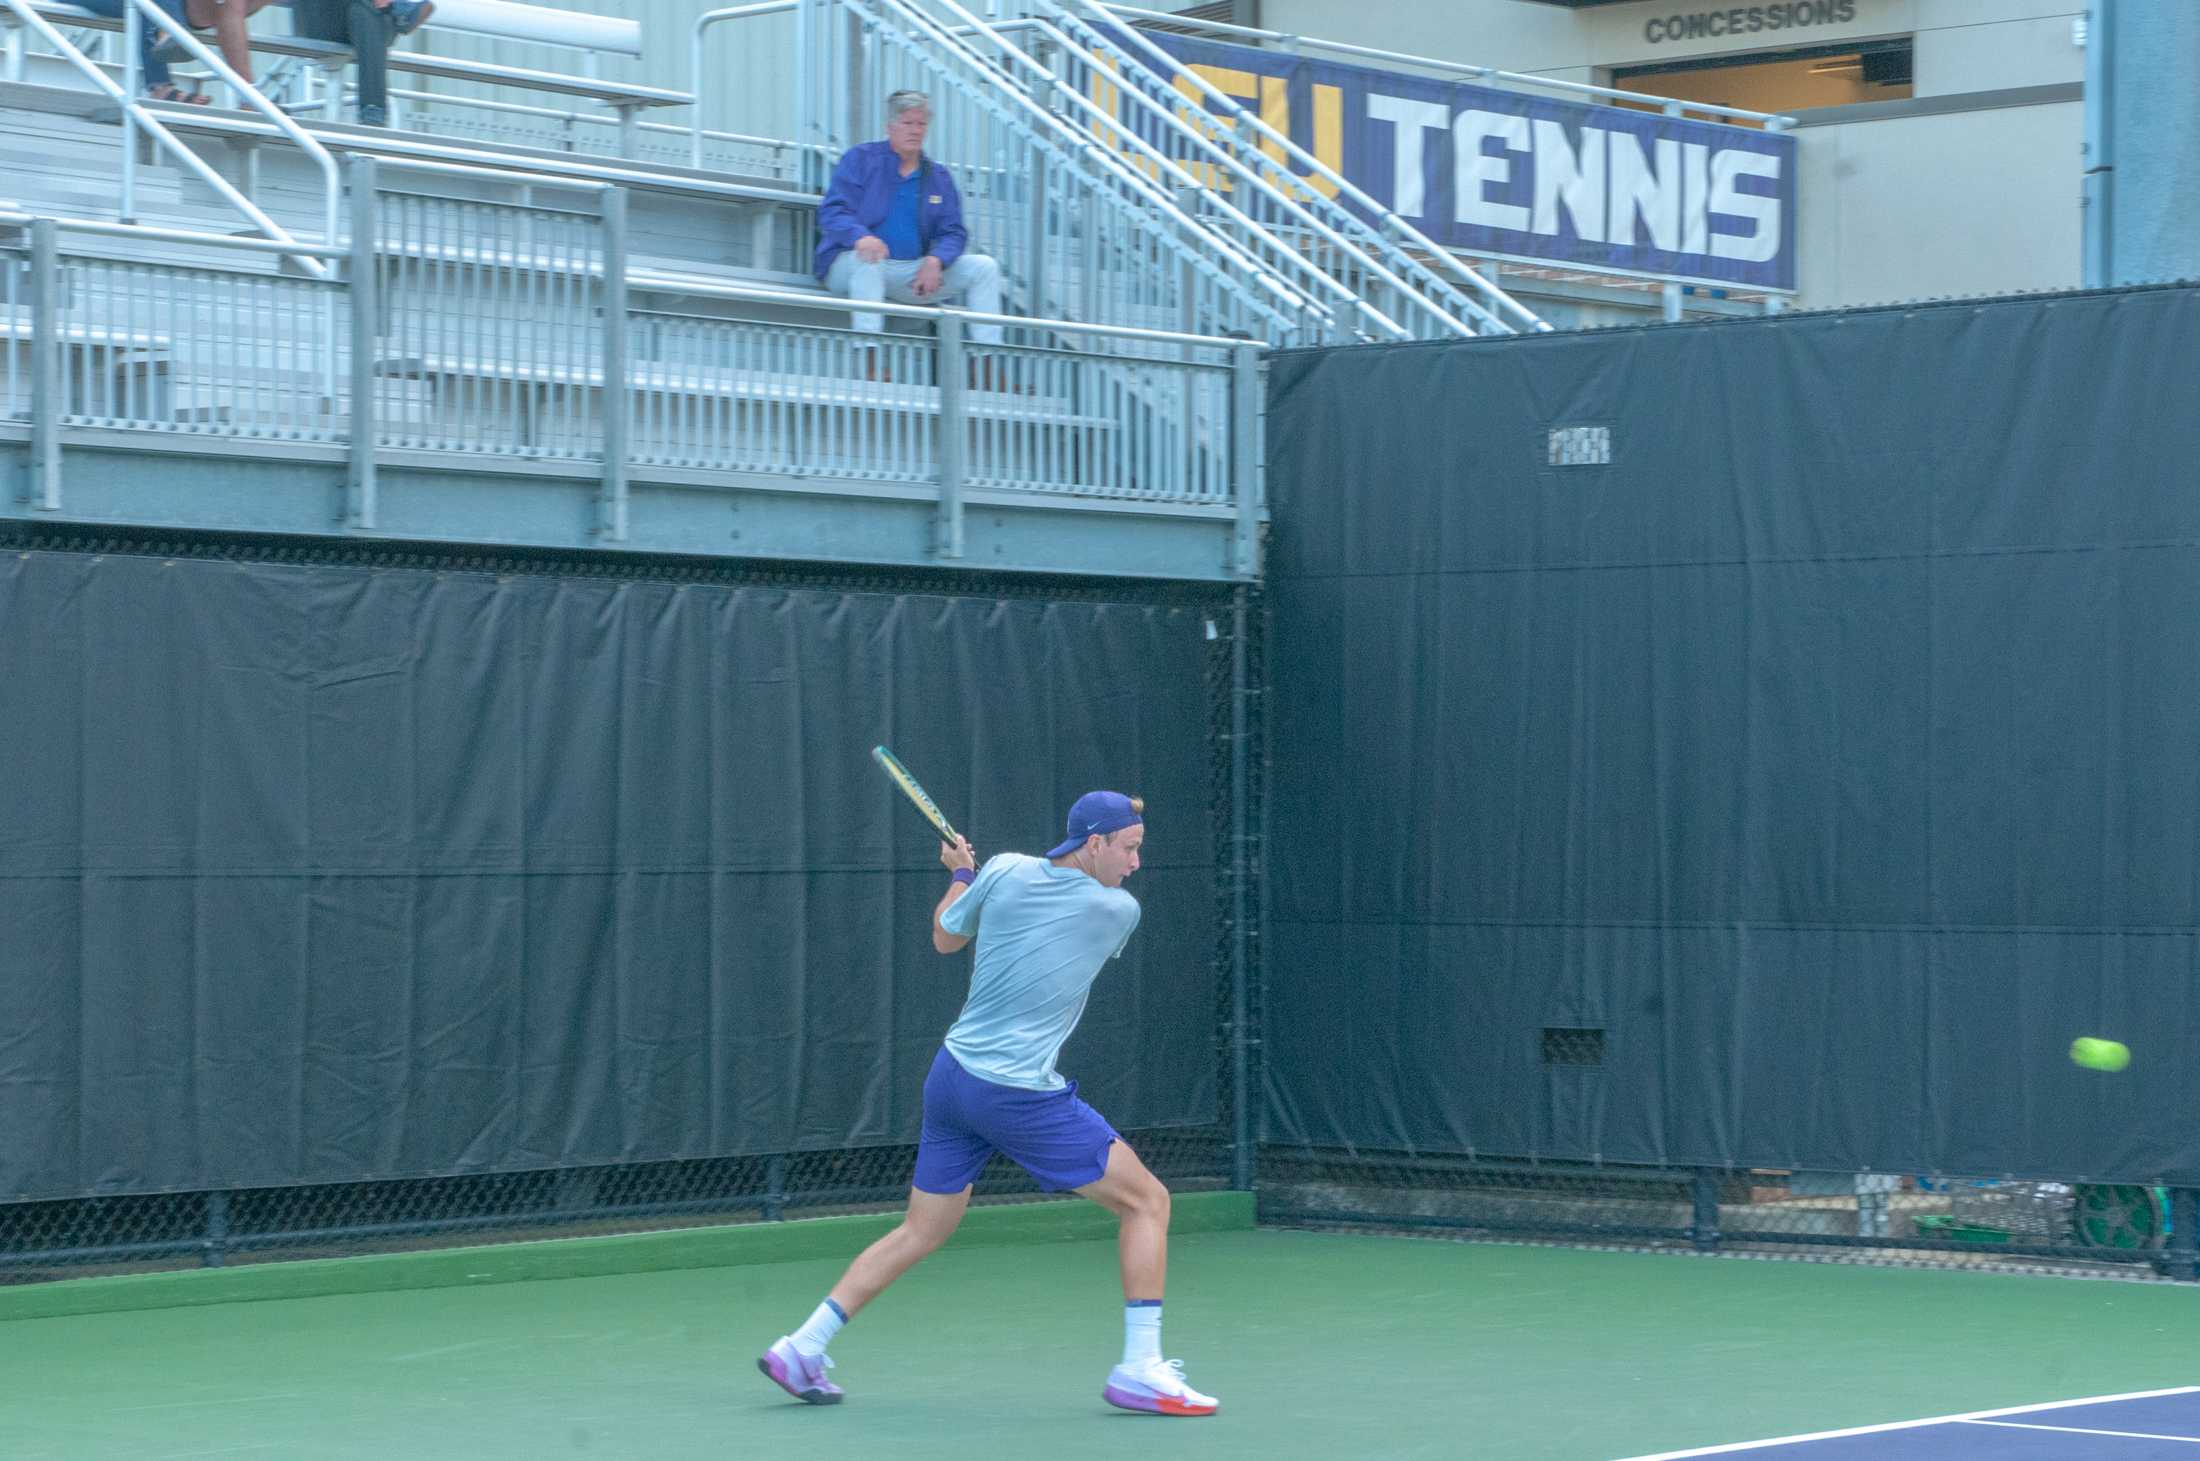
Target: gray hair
x,y
906,101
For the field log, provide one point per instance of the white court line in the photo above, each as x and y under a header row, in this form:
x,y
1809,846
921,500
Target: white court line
x,y
464,1344
1911,1425
2079,1430
198,1404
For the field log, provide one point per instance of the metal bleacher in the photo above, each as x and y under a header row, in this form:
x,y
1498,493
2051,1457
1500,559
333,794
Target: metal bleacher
x,y
516,344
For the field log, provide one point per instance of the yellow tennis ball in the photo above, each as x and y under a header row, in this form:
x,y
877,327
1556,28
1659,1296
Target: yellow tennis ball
x,y
2095,1054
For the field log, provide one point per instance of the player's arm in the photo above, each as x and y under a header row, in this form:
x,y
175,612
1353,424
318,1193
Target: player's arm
x,y
955,857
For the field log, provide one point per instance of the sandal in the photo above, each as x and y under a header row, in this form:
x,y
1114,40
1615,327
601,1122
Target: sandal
x,y
169,91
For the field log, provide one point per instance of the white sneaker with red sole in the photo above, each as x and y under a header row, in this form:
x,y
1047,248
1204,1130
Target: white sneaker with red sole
x,y
1156,1387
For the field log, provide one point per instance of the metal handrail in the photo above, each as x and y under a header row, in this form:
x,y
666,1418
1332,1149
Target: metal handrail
x,y
1167,118
487,73
1444,258
133,31
704,22
1080,154
1387,270
654,281
397,149
763,294
15,218
1197,460
491,174
1128,139
1284,41
144,117
594,119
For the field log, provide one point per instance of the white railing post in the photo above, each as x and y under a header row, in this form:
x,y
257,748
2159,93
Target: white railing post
x,y
695,86
1245,464
1141,388
366,329
48,386
1669,294
953,367
611,517
133,87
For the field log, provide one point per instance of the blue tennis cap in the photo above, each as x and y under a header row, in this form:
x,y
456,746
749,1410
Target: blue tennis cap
x,y
1098,812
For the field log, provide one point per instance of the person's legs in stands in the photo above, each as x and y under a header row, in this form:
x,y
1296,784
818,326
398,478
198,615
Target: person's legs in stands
x,y
321,20
852,278
975,281
160,83
371,28
228,19
365,27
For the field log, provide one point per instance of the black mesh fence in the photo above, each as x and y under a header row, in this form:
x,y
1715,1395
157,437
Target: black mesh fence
x,y
104,1234
1940,1221
1968,1220
79,1236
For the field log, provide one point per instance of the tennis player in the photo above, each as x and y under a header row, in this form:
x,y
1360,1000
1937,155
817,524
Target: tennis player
x,y
1044,928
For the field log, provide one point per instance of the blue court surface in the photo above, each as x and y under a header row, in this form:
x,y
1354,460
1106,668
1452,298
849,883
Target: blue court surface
x,y
2142,1426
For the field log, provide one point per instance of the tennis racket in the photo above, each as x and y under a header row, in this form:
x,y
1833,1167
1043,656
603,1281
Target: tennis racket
x,y
900,776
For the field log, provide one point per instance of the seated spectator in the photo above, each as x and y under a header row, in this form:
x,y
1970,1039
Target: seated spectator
x,y
368,27
891,227
225,18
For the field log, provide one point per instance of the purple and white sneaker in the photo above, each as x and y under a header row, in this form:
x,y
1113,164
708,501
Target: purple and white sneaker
x,y
798,1374
1158,1388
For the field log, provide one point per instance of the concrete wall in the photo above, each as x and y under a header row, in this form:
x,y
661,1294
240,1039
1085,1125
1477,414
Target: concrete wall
x,y
1958,203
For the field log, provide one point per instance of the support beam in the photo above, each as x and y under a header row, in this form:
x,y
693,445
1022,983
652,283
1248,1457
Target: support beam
x,y
2142,106
48,386
366,328
954,432
611,518
2099,196
1245,461
1244,1133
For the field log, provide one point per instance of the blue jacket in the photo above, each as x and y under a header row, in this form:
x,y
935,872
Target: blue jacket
x,y
861,194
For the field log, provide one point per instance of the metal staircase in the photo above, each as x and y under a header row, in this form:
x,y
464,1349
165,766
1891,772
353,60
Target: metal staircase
x,y
1117,185
1254,169
1081,231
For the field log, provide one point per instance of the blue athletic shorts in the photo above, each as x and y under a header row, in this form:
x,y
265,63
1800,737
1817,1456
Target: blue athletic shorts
x,y
1055,1137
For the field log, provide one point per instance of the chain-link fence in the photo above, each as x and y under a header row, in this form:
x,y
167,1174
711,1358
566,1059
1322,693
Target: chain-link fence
x,y
79,1236
1879,1217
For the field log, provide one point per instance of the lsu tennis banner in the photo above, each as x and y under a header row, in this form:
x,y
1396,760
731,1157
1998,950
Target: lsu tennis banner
x,y
1512,175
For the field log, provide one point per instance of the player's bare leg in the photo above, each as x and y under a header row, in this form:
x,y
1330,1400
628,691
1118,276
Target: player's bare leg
x,y
797,1362
930,1221
1144,1380
1138,1199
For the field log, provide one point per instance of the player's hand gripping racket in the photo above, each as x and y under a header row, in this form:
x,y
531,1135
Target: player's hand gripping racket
x,y
914,792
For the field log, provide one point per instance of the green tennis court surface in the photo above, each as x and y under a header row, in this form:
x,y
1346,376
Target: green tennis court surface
x,y
1319,1345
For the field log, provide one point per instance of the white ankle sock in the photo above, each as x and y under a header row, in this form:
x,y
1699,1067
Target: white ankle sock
x,y
823,1324
1141,1332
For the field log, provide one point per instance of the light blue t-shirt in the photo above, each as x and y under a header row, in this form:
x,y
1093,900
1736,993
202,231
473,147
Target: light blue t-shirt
x,y
1043,932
